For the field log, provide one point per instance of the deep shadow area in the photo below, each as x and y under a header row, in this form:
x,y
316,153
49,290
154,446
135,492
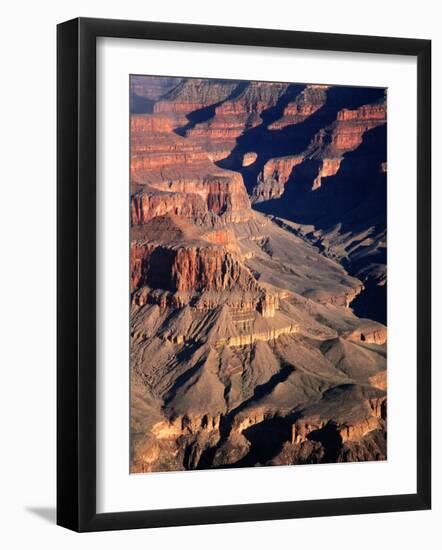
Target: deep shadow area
x,y
338,200
227,420
266,440
259,393
340,203
372,302
330,440
295,138
156,270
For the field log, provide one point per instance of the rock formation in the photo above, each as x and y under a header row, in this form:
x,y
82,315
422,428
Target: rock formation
x,y
274,176
235,115
312,98
245,346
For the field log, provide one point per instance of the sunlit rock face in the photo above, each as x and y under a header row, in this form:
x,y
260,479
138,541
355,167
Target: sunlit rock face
x,y
305,104
257,216
273,177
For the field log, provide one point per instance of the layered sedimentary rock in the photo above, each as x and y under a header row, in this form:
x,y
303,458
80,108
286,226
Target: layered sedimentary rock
x,y
189,268
346,133
345,166
172,174
347,415
245,349
312,98
210,328
192,102
234,116
148,203
326,150
274,176
193,94
194,197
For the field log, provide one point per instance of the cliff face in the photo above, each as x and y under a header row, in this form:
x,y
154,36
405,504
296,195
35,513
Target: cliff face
x,y
189,268
325,432
147,205
274,176
344,165
192,199
245,349
173,174
326,149
232,117
194,94
310,100
346,133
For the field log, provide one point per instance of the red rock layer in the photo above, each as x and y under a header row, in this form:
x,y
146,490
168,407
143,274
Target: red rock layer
x,y
345,134
174,174
188,268
249,158
142,126
147,205
232,117
194,94
218,194
328,167
274,176
327,147
312,98
171,109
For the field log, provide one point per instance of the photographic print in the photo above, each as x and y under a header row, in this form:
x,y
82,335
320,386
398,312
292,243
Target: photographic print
x,y
258,273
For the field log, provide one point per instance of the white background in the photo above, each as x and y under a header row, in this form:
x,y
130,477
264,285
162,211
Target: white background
x,y
117,490
27,218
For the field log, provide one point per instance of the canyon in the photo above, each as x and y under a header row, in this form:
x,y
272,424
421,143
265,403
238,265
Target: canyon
x,y
257,274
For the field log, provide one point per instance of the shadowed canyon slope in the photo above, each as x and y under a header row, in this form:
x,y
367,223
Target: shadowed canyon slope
x,y
258,274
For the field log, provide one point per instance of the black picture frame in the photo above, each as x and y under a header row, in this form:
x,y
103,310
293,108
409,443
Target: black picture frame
x,y
76,274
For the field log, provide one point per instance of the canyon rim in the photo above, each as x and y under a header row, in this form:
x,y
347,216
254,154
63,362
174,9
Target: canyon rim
x,y
258,273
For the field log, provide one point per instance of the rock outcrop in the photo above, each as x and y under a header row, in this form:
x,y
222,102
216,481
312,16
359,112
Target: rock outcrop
x,y
236,115
148,203
249,158
310,100
183,268
274,176
193,94
346,133
370,332
329,432
326,150
172,174
344,165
